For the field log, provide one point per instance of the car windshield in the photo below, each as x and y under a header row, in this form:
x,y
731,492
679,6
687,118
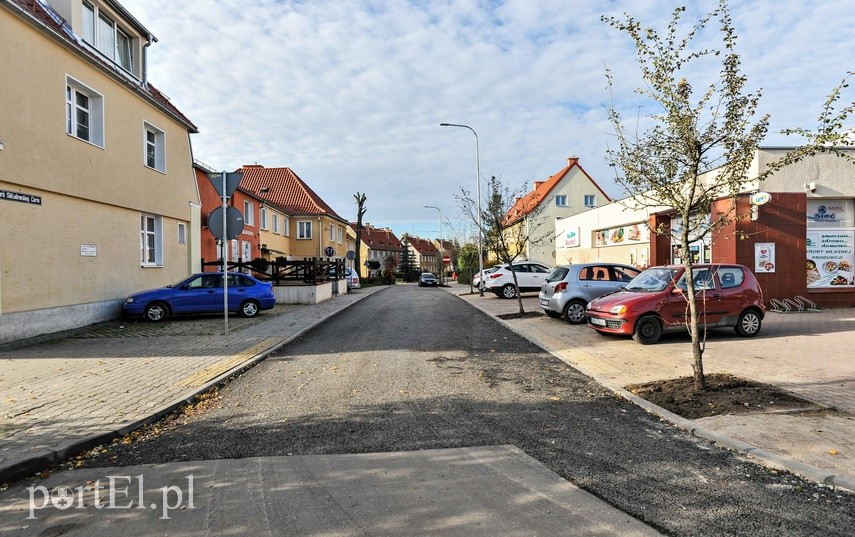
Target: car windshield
x,y
652,280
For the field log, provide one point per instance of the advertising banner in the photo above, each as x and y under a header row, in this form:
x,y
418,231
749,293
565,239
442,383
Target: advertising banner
x,y
764,257
633,234
830,257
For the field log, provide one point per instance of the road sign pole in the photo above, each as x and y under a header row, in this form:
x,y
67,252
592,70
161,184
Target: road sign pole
x,y
225,264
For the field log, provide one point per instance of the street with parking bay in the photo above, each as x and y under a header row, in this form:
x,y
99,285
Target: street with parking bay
x,y
410,369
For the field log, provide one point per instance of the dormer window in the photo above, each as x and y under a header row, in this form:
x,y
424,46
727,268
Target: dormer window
x,y
102,32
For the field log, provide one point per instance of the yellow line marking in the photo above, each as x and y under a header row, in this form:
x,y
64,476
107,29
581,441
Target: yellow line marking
x,y
216,369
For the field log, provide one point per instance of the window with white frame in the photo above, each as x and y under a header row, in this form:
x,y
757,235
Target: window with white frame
x,y
263,217
182,233
561,201
304,229
151,240
275,223
100,31
332,232
590,200
248,213
286,226
84,112
340,234
155,147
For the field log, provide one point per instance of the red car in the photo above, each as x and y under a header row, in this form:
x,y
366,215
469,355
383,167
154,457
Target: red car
x,y
655,302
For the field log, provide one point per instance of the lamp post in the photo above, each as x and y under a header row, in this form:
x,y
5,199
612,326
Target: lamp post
x,y
441,246
478,193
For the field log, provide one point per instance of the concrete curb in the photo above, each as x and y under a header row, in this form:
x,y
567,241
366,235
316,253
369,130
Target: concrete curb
x,y
41,461
764,457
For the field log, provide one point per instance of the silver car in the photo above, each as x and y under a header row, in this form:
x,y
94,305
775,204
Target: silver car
x,y
568,289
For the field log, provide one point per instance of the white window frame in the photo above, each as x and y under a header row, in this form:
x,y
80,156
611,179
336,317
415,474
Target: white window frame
x,y
154,147
248,213
275,223
151,240
332,233
94,110
561,200
104,35
590,200
262,216
182,233
304,229
286,226
340,234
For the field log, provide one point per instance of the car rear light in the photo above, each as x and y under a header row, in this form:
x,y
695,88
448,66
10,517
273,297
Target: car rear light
x,y
494,276
561,287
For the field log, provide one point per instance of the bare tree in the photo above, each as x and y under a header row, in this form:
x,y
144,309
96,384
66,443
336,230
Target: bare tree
x,y
718,128
360,212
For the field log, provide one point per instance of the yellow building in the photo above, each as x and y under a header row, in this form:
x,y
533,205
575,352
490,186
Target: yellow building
x,y
97,193
307,226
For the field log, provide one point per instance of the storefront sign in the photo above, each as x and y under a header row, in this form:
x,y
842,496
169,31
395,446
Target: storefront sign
x,y
764,257
634,234
18,196
829,213
830,257
760,198
570,239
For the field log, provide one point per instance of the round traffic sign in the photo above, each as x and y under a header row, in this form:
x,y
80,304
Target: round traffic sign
x,y
446,259
330,251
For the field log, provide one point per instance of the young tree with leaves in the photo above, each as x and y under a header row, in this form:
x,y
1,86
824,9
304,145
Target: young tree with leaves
x,y
694,131
511,220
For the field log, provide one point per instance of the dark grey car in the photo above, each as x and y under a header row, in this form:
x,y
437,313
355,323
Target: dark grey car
x,y
568,289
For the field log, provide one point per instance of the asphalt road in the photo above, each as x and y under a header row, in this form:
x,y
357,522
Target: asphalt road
x,y
416,368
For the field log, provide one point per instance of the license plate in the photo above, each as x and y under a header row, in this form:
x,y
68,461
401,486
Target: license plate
x,y
544,302
598,322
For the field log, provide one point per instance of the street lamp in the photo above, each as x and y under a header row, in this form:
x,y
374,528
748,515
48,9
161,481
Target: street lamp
x,y
478,193
441,246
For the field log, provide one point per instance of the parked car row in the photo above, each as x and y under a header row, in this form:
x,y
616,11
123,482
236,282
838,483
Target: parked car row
x,y
612,298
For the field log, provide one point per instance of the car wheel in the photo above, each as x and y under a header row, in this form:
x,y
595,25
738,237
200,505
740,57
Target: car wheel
x,y
552,314
249,308
647,330
156,311
509,291
574,312
748,324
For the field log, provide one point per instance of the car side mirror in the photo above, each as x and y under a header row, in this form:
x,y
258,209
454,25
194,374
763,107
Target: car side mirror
x,y
677,291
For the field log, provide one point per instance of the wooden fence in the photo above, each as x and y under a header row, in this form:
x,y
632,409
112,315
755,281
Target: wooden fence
x,y
281,271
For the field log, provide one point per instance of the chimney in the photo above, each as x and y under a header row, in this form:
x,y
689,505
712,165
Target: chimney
x,y
537,185
572,160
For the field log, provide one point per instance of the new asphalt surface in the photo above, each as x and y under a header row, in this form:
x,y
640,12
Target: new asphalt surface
x,y
119,364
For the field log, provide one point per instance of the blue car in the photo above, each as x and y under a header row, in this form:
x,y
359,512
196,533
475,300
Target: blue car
x,y
203,293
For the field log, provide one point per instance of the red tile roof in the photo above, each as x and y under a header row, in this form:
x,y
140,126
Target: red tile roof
x,y
379,239
541,190
285,190
423,246
43,14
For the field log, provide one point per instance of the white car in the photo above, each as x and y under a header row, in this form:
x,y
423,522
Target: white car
x,y
476,279
530,277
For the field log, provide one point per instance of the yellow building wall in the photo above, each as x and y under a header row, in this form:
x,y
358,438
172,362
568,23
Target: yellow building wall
x,y
90,195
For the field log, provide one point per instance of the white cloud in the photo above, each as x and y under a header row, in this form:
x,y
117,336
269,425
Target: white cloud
x,y
350,93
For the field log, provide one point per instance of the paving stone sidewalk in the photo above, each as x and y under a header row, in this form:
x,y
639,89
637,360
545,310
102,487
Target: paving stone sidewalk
x,y
807,354
69,393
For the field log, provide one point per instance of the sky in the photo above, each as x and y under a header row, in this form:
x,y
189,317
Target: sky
x,y
350,93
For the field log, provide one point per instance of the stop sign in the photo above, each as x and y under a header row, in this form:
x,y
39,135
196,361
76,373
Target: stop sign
x,y
446,259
